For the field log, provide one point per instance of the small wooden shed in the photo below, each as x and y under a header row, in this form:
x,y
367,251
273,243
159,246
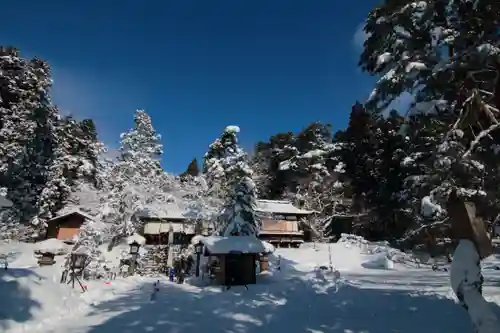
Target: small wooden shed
x,y
65,226
236,256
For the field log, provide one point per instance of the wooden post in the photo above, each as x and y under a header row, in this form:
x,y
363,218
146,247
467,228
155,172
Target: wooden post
x,y
264,263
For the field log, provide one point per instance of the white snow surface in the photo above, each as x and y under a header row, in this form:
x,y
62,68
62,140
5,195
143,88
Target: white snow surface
x,y
304,296
279,207
52,245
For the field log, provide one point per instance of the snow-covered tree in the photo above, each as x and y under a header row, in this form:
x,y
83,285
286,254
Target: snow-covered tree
x,y
225,163
75,161
445,55
137,178
274,174
199,205
238,217
26,119
91,235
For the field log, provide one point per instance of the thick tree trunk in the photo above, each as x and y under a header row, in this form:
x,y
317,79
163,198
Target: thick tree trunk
x,y
466,282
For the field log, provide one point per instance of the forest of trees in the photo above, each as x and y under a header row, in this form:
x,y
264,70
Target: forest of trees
x,y
394,167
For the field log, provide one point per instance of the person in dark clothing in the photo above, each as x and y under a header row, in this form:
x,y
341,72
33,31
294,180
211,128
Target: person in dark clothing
x,y
177,268
182,269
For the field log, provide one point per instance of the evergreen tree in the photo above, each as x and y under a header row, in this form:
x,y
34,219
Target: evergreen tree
x,y
260,162
317,159
137,177
225,163
272,162
75,152
238,218
372,151
445,54
26,129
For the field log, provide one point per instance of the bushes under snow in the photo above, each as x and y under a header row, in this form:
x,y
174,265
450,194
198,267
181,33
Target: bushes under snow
x,y
384,255
52,245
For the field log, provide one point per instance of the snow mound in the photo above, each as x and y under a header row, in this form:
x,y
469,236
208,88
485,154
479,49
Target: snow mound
x,y
269,248
379,255
379,262
310,256
52,245
352,240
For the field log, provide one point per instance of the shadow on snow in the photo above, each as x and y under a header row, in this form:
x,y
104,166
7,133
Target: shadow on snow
x,y
16,302
295,304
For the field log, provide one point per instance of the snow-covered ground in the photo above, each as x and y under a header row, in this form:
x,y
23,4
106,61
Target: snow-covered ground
x,y
373,295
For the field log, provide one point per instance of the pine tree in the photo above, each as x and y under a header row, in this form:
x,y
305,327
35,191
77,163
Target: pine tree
x,y
238,217
225,163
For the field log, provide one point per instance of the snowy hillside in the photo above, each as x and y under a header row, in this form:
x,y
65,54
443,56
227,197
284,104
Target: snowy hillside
x,y
301,296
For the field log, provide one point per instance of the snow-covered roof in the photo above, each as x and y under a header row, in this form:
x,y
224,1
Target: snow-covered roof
x,y
164,211
225,245
156,228
68,213
280,207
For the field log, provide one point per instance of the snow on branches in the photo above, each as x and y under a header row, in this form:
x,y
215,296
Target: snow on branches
x,y
226,162
238,217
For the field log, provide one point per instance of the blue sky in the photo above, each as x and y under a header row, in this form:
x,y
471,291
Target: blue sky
x,y
197,66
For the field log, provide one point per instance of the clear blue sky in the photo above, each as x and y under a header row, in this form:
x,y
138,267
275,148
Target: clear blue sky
x,y
197,65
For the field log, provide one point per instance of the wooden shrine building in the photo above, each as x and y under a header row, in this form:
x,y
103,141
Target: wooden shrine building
x,y
282,224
